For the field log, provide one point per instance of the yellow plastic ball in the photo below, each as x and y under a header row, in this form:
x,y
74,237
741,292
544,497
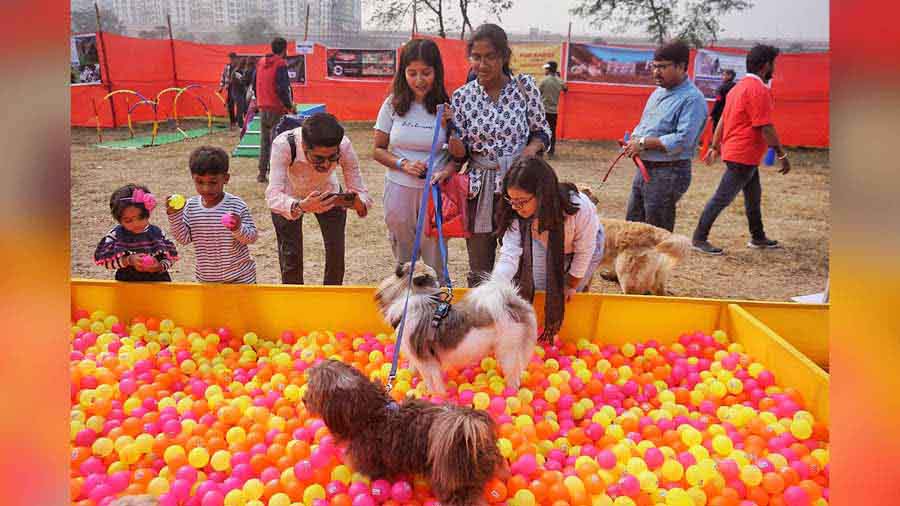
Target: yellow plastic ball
x,y
253,489
751,475
102,447
198,457
280,499
312,493
678,497
524,497
173,453
341,473
481,400
220,460
801,428
672,470
158,486
235,497
722,444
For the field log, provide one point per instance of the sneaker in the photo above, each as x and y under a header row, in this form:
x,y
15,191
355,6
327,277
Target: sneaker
x,y
262,178
763,244
609,276
706,247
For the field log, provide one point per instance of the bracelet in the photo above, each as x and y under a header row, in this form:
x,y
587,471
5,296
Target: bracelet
x,y
399,163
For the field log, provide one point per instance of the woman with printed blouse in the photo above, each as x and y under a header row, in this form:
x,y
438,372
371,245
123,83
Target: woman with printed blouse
x,y
496,118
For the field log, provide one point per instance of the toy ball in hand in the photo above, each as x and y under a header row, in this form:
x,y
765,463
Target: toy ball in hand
x,y
229,220
176,201
147,261
149,202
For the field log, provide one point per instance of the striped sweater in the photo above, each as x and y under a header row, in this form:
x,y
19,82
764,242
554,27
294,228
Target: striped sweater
x,y
222,254
113,250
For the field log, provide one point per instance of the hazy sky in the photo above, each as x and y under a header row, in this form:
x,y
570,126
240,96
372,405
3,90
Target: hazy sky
x,y
805,19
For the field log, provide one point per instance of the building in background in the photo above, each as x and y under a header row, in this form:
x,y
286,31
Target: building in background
x,y
330,21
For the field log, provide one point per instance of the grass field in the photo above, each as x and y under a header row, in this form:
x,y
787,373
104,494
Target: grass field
x,y
795,212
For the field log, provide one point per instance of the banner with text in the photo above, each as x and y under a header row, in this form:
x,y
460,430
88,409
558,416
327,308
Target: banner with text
x,y
361,63
708,68
85,65
609,65
529,58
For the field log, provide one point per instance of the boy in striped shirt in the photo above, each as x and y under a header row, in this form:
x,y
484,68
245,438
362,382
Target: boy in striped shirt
x,y
218,223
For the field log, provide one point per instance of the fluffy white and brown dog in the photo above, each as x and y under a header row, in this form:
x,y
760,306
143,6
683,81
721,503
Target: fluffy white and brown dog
x,y
492,318
638,255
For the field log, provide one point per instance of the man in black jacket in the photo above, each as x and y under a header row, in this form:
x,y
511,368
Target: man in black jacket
x,y
721,93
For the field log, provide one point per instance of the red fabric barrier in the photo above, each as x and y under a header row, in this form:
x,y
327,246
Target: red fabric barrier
x,y
587,112
800,89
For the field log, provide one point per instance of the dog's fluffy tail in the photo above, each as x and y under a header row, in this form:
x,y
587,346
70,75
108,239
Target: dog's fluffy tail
x,y
675,246
462,449
493,296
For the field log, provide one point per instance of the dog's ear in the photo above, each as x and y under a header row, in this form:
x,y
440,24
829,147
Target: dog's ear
x,y
399,270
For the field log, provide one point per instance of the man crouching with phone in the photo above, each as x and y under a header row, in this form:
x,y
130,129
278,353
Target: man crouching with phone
x,y
308,184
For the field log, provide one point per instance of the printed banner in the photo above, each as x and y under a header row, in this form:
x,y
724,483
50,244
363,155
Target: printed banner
x,y
85,65
529,58
609,65
361,63
296,67
708,68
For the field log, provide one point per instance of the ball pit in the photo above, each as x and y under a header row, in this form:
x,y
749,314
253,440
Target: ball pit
x,y
204,417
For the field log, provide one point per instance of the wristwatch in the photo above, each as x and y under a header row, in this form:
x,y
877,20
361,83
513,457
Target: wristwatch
x,y
641,143
399,163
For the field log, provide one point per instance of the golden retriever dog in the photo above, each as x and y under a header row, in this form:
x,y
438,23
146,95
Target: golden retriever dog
x,y
640,255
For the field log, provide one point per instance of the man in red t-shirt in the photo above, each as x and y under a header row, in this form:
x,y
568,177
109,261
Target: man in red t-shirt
x,y
742,137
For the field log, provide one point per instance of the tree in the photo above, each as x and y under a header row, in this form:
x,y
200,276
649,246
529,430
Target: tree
x,y
85,20
495,7
438,14
255,30
695,21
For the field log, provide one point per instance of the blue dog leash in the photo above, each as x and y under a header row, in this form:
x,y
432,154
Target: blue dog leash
x,y
430,191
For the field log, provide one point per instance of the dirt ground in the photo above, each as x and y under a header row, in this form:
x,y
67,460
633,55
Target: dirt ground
x,y
795,212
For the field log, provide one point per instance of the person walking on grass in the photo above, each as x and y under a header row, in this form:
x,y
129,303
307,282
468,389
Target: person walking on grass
x,y
742,138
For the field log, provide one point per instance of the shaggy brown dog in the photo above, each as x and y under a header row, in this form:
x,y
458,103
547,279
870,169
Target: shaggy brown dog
x,y
640,255
455,447
491,319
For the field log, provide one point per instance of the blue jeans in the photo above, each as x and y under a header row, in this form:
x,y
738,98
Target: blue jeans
x,y
655,202
737,178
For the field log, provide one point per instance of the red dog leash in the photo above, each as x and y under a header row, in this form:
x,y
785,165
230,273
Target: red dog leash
x,y
637,161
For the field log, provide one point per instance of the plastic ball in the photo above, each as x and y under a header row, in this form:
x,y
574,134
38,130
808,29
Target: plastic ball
x,y
524,497
481,400
280,499
198,457
220,460
313,493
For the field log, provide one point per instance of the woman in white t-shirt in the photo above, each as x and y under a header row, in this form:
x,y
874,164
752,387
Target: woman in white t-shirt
x,y
551,237
404,132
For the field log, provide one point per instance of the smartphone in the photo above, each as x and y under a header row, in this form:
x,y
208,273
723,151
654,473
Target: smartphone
x,y
344,199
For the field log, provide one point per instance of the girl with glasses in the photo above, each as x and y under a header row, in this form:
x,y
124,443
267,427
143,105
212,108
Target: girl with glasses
x,y
552,238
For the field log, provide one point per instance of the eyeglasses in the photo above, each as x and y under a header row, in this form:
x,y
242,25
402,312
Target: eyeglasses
x,y
517,203
323,160
489,58
660,66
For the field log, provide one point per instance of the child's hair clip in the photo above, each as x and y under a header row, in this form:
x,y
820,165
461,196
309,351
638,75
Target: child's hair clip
x,y
139,196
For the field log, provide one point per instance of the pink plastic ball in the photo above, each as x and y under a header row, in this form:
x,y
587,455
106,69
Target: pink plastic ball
x,y
212,498
654,458
629,485
363,500
381,490
401,491
606,459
